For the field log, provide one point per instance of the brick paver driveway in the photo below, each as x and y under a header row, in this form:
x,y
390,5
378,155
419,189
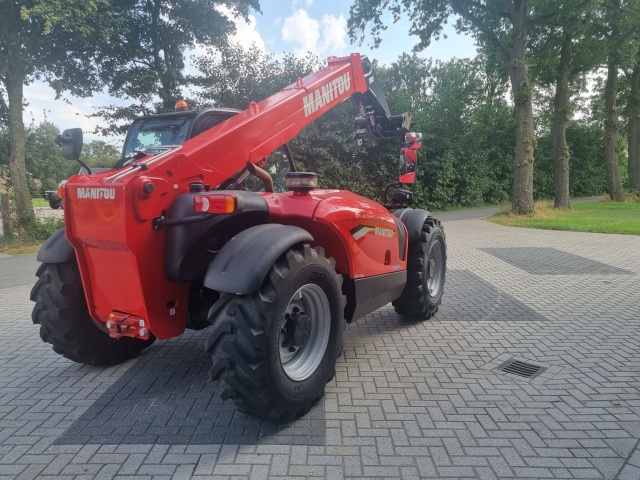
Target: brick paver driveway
x,y
410,400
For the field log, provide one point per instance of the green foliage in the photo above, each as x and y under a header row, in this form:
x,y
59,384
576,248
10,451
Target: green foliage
x,y
44,160
467,155
586,147
151,62
34,234
43,229
98,154
237,76
52,40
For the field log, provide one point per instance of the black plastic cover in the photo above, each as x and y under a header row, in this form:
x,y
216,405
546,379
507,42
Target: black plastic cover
x,y
243,263
413,219
366,295
191,247
56,249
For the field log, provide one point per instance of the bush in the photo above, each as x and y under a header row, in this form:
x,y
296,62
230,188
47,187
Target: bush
x,y
42,230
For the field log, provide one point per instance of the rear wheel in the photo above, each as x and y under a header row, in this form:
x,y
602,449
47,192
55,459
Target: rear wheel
x,y
426,269
276,349
61,311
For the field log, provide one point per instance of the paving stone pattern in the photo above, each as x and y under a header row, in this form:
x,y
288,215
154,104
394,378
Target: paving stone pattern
x,y
549,261
410,400
166,395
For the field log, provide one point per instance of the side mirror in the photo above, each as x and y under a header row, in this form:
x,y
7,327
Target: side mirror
x,y
409,157
71,143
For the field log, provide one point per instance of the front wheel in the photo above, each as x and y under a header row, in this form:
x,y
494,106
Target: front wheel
x,y
61,311
426,269
276,349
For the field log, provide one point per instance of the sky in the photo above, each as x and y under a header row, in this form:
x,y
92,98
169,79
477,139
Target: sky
x,y
296,26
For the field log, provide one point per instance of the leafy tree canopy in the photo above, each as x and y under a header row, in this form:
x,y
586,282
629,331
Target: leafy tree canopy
x,y
145,56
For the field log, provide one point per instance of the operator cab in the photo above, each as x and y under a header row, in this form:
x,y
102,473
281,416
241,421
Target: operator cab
x,y
154,134
164,130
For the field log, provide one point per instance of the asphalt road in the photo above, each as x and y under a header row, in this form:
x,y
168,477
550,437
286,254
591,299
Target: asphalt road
x,y
17,270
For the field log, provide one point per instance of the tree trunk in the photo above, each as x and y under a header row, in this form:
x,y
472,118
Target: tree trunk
x,y
14,83
614,184
5,213
560,149
522,199
634,127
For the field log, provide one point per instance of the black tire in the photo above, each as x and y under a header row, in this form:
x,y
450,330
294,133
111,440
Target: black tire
x,y
61,311
426,270
248,344
55,204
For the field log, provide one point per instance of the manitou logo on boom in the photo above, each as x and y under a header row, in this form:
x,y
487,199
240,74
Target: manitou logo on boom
x,y
326,94
97,193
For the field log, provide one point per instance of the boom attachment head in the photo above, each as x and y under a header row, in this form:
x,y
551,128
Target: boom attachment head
x,y
375,119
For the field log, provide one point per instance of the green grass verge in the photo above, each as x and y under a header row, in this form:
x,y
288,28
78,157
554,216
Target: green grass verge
x,y
39,202
603,217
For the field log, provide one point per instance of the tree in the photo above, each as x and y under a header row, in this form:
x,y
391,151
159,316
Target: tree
x,y
501,26
97,153
621,32
47,40
468,149
633,127
565,47
237,76
144,59
44,160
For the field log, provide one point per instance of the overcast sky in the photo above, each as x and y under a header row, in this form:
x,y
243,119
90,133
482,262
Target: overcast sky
x,y
297,26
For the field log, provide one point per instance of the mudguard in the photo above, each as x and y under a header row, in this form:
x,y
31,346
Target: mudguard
x,y
243,263
413,220
56,249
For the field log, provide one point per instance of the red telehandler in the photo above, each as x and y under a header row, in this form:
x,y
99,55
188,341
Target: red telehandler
x,y
189,230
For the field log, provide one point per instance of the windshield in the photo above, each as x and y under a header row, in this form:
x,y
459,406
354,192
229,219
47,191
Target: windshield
x,y
159,131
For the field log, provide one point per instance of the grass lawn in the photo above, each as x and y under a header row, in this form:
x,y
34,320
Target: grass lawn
x,y
39,202
602,217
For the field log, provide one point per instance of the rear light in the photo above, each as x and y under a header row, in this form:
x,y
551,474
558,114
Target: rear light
x,y
60,189
215,203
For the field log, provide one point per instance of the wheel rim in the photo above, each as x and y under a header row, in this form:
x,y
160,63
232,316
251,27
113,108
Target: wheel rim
x,y
299,362
435,268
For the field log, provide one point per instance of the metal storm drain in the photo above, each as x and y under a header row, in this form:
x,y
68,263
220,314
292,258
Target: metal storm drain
x,y
522,369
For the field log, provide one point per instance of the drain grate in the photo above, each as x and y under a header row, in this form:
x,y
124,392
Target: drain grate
x,y
522,369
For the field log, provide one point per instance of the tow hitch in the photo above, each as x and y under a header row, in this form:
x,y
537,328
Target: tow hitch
x,y
122,324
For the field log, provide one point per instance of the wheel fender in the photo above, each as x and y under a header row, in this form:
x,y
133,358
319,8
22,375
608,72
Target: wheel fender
x,y
413,219
56,249
243,263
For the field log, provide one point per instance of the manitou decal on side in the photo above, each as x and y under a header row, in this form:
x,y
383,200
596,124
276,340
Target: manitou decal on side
x,y
361,230
326,94
384,232
97,193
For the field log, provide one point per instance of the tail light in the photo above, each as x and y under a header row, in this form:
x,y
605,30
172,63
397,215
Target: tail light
x,y
215,203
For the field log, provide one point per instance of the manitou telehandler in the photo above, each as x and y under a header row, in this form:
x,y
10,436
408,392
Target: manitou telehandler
x,y
189,230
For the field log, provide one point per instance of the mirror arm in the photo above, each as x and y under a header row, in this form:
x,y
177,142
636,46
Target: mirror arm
x,y
84,165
